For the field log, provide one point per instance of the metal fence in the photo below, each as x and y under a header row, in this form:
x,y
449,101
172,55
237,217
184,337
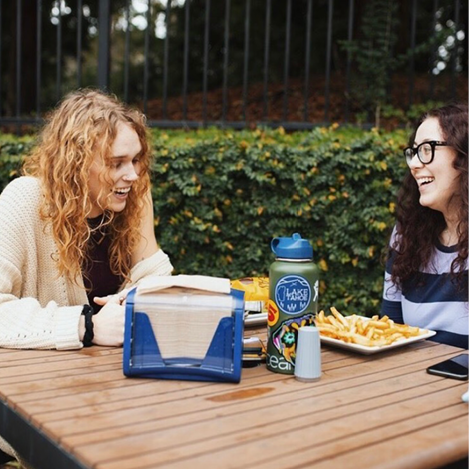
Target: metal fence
x,y
225,63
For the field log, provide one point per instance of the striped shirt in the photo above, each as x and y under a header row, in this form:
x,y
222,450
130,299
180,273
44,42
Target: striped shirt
x,y
431,299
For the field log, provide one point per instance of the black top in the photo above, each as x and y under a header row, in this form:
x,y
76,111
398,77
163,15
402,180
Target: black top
x,y
98,278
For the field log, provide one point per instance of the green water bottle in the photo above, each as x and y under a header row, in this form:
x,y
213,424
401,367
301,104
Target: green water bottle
x,y
293,300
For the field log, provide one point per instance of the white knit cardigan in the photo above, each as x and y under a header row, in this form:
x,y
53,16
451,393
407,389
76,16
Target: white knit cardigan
x,y
39,309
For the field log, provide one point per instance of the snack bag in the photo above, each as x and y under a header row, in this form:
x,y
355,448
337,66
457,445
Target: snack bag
x,y
256,292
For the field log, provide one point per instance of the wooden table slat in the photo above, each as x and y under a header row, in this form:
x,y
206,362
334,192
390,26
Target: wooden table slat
x,y
356,415
278,429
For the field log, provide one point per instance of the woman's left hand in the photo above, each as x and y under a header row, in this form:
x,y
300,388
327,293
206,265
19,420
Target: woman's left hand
x,y
109,322
118,298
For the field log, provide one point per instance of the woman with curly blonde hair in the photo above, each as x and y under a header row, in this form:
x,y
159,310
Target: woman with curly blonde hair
x,y
78,228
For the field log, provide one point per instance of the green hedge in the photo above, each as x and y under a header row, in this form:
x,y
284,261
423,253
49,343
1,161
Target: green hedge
x,y
220,196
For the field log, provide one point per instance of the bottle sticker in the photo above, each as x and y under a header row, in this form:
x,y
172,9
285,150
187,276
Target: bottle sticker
x,y
285,336
272,313
292,294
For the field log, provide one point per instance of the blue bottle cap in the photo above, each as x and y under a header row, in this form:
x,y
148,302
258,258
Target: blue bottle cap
x,y
292,248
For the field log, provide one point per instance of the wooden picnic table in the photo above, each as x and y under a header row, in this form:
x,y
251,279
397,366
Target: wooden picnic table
x,y
76,409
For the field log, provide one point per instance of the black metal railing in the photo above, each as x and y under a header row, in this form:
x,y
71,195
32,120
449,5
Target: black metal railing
x,y
202,62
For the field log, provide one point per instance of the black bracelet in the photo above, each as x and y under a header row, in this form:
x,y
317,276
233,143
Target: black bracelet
x,y
89,333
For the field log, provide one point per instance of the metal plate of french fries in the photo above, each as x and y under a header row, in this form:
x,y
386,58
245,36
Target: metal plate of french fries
x,y
366,335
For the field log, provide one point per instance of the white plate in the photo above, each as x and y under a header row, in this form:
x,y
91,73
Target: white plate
x,y
383,348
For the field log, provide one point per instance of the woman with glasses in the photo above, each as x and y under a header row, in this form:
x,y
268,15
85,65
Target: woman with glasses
x,y
426,280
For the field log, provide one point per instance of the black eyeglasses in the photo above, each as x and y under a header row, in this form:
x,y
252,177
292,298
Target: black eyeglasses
x,y
425,151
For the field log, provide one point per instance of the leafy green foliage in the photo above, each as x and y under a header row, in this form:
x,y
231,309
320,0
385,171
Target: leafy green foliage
x,y
375,60
221,196
373,54
13,151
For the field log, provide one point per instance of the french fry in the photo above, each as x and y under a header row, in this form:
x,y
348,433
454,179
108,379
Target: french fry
x,y
374,332
337,324
339,317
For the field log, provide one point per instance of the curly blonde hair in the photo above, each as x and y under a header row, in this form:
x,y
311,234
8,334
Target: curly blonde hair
x,y
83,125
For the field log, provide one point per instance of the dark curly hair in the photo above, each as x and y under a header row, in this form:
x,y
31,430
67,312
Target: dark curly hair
x,y
419,228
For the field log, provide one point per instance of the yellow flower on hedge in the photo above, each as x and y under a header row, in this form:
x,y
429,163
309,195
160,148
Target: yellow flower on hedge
x,y
164,152
229,245
334,126
267,155
383,165
371,251
322,286
210,170
345,195
354,261
323,265
216,229
281,131
227,202
320,242
260,210
392,207
243,144
332,197
381,226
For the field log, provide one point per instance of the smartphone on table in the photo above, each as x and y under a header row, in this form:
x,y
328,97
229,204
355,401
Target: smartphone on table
x,y
455,367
